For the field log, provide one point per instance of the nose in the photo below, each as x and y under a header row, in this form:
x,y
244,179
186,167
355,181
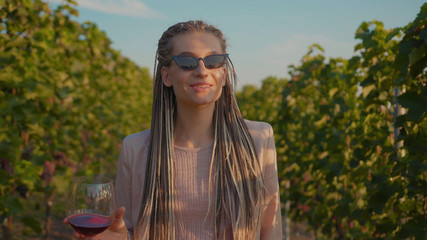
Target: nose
x,y
201,70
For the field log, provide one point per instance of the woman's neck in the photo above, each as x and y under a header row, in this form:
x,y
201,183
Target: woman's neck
x,y
194,127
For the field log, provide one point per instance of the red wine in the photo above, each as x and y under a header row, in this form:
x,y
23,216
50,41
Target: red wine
x,y
89,224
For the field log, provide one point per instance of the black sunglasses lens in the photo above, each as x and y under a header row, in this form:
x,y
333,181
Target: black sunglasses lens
x,y
186,62
214,61
191,62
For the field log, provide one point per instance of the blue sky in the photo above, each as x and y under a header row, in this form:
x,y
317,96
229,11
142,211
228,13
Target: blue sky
x,y
264,36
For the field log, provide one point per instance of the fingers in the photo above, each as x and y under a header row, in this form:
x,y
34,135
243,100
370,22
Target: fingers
x,y
79,236
117,223
117,217
119,213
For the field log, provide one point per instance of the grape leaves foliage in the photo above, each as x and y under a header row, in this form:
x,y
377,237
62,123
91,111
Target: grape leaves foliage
x,y
67,100
351,135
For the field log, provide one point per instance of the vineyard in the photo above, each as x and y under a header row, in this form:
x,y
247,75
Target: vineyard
x,y
351,134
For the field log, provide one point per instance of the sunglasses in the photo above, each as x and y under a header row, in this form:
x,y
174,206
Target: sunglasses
x,y
187,62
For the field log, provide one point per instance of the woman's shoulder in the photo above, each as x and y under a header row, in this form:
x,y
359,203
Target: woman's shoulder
x,y
263,139
259,129
137,140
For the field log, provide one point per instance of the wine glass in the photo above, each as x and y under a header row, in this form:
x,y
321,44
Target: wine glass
x,y
91,204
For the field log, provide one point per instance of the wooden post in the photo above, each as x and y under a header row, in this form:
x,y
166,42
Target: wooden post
x,y
286,220
7,228
48,223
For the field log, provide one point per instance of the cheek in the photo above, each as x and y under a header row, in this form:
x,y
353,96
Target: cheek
x,y
221,77
178,78
219,93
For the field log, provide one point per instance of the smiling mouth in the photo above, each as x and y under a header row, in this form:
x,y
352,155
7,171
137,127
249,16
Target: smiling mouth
x,y
200,85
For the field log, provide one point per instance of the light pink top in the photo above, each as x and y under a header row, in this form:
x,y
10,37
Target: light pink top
x,y
192,182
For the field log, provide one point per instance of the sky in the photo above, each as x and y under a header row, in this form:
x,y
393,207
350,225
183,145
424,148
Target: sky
x,y
264,37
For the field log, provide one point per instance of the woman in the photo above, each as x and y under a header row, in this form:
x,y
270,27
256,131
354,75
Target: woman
x,y
201,171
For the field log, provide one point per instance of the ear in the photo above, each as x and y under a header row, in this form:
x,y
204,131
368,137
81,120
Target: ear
x,y
166,77
224,74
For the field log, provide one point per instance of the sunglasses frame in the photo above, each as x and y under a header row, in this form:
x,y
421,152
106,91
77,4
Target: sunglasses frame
x,y
174,58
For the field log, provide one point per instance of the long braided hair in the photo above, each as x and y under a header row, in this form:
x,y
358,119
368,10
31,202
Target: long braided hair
x,y
235,174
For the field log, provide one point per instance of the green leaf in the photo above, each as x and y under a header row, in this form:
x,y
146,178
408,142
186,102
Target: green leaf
x,y
4,177
416,54
354,163
423,35
393,33
5,57
28,3
73,2
367,90
332,92
44,90
63,92
18,42
368,81
12,204
419,67
415,103
32,223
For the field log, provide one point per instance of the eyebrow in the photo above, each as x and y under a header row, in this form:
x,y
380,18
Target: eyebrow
x,y
192,54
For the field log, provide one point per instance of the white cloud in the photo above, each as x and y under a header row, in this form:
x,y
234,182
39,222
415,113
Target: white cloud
x,y
133,8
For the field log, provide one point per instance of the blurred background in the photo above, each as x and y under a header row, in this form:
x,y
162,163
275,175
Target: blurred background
x,y
342,83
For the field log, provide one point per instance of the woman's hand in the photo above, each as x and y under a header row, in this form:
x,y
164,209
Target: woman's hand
x,y
116,231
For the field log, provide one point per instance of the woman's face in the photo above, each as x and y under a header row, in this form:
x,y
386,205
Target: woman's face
x,y
199,87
